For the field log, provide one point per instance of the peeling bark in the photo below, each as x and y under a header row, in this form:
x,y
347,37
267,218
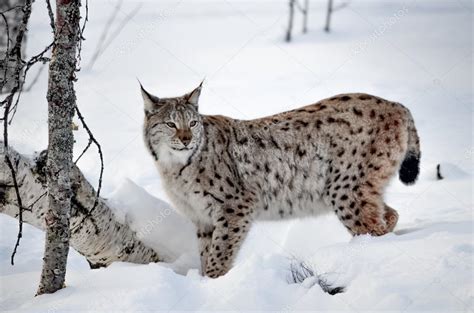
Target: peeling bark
x,y
99,236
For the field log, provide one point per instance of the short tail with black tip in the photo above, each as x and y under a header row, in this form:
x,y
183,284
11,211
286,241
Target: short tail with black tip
x,y
410,167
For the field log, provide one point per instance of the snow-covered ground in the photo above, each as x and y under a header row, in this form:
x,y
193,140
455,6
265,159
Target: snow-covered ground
x,y
418,53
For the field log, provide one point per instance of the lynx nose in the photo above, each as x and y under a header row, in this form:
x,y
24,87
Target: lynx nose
x,y
186,140
184,136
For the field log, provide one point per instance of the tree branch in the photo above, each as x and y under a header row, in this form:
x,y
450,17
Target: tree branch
x,y
112,241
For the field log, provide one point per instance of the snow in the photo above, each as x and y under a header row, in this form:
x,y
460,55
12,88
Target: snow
x,y
418,53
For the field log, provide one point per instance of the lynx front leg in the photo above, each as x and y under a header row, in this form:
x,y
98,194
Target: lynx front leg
x,y
204,234
229,233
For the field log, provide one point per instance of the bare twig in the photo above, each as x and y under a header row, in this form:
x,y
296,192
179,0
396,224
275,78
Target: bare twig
x,y
301,270
10,103
51,16
5,60
7,103
12,8
103,35
114,35
86,19
81,36
33,60
84,151
35,79
99,149
340,6
17,191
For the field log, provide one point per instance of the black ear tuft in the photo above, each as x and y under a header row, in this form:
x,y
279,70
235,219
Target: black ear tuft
x,y
193,96
151,102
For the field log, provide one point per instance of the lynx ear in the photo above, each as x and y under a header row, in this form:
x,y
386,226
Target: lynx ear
x,y
151,102
193,96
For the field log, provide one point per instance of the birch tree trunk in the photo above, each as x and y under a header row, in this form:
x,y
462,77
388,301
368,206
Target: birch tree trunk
x,y
96,235
305,16
10,25
61,104
327,28
291,11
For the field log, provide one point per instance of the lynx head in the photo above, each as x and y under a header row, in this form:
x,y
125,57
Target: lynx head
x,y
173,126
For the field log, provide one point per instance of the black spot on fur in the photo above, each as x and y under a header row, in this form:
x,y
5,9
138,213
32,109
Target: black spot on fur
x,y
301,153
243,141
229,182
267,168
357,112
322,107
318,124
301,123
274,143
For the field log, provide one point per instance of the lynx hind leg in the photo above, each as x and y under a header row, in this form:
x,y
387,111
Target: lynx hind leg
x,y
204,235
358,198
227,238
359,203
391,218
362,215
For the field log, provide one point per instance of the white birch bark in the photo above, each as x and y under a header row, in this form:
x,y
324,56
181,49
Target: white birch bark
x,y
99,236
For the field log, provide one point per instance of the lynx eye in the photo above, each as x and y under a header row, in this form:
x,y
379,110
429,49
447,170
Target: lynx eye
x,y
171,125
192,123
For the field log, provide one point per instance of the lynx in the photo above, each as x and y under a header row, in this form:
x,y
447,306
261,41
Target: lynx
x,y
336,155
